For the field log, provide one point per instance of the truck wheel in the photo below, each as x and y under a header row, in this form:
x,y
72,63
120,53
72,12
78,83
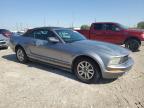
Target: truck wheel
x,y
132,44
21,55
86,70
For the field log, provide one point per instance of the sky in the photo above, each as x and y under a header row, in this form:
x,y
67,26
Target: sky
x,y
19,14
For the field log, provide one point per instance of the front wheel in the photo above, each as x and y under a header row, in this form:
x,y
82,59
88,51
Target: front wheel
x,y
132,44
87,70
21,55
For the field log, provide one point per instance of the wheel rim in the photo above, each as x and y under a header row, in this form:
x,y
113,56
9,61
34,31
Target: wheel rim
x,y
85,70
133,45
20,55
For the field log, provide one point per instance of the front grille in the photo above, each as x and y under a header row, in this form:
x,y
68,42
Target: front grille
x,y
2,42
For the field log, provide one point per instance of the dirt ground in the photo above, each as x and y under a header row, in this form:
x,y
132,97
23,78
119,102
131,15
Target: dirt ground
x,y
34,85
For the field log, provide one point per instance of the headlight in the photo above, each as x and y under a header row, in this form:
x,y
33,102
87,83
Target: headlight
x,y
118,60
115,61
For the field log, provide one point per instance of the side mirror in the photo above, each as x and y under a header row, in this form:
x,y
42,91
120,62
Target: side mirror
x,y
117,29
53,40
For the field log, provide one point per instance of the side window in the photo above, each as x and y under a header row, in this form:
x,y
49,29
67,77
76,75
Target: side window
x,y
111,27
29,33
43,34
98,26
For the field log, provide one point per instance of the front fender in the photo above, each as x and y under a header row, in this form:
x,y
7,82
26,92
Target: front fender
x,y
94,56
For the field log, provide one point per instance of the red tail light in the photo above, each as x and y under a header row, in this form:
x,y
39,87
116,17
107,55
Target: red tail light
x,y
7,34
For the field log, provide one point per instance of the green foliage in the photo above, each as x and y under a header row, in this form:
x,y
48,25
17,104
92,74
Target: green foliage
x,y
140,25
85,27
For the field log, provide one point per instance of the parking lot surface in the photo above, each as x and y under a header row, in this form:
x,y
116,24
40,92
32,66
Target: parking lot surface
x,y
36,85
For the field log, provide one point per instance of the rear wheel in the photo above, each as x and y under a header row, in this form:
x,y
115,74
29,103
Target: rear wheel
x,y
132,44
21,55
87,70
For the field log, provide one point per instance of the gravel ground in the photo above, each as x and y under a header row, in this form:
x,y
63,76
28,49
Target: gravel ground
x,y
34,85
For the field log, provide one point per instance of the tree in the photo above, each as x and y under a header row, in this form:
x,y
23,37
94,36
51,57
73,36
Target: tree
x,y
85,27
140,25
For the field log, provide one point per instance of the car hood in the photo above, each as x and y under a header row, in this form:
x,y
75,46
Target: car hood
x,y
101,47
135,31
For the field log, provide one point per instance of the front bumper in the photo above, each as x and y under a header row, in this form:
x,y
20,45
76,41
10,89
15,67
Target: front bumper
x,y
118,70
3,44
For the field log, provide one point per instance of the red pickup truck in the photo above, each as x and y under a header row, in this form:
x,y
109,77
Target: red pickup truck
x,y
115,33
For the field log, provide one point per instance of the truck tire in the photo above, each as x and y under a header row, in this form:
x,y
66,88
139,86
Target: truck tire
x,y
21,55
86,70
132,44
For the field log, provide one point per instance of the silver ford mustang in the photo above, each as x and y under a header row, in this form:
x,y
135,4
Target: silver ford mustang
x,y
89,60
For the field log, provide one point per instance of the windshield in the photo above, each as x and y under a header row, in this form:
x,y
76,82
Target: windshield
x,y
70,36
4,30
122,26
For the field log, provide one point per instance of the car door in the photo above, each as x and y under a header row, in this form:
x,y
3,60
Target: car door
x,y
97,32
113,34
38,42
46,51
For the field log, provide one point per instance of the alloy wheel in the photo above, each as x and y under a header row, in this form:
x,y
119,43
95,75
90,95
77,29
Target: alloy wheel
x,y
85,70
20,55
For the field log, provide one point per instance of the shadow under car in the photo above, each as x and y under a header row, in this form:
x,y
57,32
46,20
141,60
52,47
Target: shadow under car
x,y
53,69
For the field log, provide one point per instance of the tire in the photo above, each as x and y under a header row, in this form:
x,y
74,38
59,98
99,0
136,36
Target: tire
x,y
6,47
132,44
90,73
21,55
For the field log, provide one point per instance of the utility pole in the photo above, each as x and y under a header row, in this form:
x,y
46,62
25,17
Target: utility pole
x,y
58,23
44,21
72,25
95,20
17,28
21,26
